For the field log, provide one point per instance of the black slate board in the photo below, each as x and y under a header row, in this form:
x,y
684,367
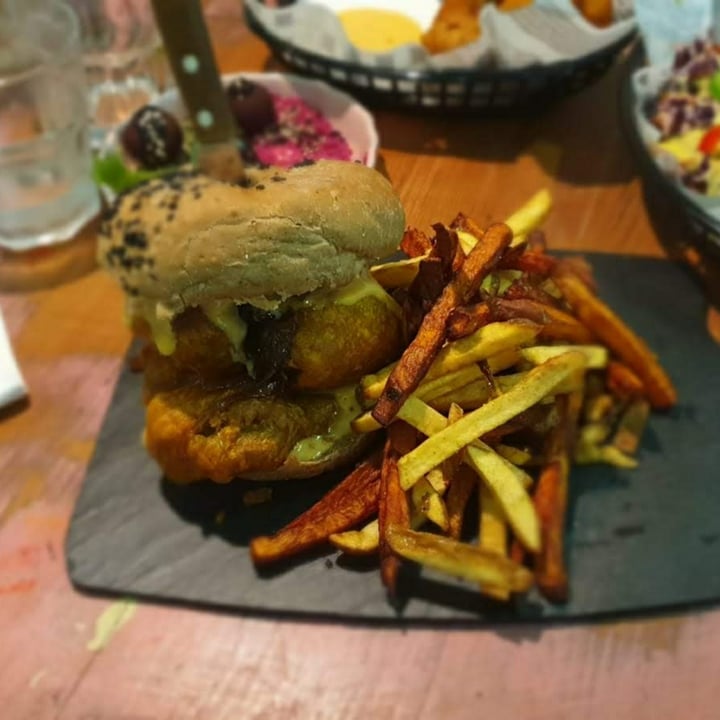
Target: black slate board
x,y
639,540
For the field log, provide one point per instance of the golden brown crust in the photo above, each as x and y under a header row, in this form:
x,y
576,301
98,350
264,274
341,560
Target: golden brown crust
x,y
195,433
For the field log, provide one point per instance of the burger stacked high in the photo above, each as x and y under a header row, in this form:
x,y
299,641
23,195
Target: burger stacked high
x,y
258,314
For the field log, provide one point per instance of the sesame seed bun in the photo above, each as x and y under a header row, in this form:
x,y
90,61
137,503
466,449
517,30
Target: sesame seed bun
x,y
189,239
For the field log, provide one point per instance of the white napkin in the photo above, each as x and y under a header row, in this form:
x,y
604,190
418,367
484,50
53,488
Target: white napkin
x,y
12,385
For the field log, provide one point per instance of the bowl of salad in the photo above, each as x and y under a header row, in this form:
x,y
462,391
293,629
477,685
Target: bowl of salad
x,y
282,120
672,121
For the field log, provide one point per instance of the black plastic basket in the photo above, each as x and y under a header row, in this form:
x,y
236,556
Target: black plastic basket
x,y
685,230
481,91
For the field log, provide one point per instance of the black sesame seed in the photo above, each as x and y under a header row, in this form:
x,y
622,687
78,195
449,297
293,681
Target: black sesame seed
x,y
278,178
135,240
260,187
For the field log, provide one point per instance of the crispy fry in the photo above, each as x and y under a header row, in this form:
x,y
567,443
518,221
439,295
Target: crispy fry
x,y
536,241
463,484
619,338
426,500
349,503
484,344
393,507
589,454
415,243
622,382
464,321
532,263
551,497
530,216
478,392
507,483
414,411
538,383
596,356
468,232
517,456
470,397
452,382
517,552
492,535
556,324
524,289
579,266
536,419
364,541
421,352
630,429
459,559
599,408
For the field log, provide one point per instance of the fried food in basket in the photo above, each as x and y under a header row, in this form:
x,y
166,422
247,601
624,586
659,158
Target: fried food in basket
x,y
597,12
455,24
457,21
516,371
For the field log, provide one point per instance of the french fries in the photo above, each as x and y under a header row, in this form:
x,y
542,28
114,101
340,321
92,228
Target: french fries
x,y
393,510
460,559
420,353
515,371
492,536
537,384
355,499
551,498
619,338
498,343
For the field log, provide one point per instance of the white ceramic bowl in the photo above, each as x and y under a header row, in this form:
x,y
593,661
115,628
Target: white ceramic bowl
x,y
346,115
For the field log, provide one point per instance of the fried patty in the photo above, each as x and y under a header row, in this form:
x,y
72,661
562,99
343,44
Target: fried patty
x,y
331,346
336,344
197,433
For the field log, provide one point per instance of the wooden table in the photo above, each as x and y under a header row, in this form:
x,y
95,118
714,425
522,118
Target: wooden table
x,y
168,663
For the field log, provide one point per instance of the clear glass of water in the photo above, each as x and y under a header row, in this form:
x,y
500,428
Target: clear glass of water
x,y
119,40
46,189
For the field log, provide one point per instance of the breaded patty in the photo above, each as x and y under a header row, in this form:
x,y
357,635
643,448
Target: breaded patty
x,y
195,433
333,346
202,350
336,344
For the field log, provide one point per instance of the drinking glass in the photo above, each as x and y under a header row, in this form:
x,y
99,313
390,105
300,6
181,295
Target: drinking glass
x,y
46,189
120,41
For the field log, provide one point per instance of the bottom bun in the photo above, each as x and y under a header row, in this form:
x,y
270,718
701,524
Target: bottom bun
x,y
345,451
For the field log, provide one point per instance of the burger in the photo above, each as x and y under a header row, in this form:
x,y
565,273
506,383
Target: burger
x,y
256,313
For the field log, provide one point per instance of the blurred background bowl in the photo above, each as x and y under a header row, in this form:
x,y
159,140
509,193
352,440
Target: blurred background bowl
x,y
344,113
478,91
685,230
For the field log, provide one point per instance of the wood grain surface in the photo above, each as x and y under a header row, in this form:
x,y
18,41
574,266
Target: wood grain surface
x,y
162,663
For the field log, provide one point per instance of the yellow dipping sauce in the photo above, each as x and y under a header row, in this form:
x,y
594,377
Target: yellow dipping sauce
x,y
379,30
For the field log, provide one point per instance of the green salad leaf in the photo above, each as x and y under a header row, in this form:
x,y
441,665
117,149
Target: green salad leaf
x,y
111,171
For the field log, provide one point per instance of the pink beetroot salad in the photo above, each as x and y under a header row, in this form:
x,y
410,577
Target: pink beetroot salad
x,y
301,134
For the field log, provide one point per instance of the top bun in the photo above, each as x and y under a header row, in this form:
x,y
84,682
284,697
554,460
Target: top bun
x,y
187,239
